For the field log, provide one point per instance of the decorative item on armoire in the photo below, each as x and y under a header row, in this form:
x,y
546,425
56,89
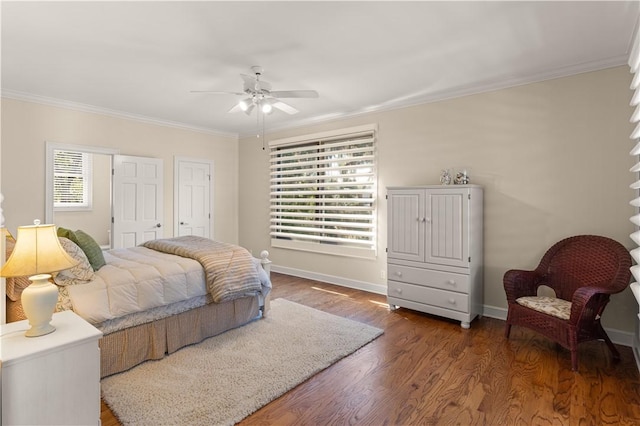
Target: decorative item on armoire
x,y
462,178
445,177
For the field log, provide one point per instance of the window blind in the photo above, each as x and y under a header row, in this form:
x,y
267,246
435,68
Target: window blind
x,y
634,64
323,192
71,180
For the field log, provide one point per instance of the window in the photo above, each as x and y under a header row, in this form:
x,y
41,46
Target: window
x,y
323,192
71,180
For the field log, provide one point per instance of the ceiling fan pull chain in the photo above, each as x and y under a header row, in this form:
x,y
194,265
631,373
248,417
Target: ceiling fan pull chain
x,y
262,131
258,124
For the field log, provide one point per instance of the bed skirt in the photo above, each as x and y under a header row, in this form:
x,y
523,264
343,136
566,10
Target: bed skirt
x,y
124,349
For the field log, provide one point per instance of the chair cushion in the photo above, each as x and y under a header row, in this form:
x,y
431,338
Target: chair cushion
x,y
553,306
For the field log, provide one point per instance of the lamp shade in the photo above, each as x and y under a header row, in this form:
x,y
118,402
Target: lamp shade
x,y
37,251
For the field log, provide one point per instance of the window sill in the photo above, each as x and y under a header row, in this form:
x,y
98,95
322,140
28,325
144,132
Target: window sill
x,y
335,250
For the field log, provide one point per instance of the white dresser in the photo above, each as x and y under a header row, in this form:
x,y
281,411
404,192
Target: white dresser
x,y
52,379
434,250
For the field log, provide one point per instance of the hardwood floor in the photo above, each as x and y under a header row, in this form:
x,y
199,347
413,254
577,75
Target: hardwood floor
x,y
427,370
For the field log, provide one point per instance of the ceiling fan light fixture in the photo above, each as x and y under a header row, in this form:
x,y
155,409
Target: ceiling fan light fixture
x,y
245,104
266,107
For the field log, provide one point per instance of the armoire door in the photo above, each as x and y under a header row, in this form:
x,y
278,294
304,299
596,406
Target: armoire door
x,y
446,227
406,224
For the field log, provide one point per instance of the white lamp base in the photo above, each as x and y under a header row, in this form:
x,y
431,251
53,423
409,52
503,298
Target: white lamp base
x,y
39,301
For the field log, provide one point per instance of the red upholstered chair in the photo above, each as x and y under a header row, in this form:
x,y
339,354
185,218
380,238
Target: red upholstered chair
x,y
583,271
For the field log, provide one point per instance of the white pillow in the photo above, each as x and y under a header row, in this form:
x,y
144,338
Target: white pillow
x,y
82,273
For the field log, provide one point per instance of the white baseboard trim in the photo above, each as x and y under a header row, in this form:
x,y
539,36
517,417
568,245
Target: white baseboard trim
x,y
618,337
331,279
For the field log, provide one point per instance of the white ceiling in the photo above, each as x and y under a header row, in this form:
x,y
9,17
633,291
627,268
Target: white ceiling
x,y
141,59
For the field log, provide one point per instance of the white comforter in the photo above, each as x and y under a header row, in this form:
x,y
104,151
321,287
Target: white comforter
x,y
137,279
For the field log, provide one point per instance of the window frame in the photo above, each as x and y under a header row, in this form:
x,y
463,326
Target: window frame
x,y
339,203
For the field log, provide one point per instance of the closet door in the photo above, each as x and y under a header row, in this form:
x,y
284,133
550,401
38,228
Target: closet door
x,y
137,200
192,199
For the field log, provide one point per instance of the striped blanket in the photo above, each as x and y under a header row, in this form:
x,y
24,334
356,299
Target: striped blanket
x,y
229,269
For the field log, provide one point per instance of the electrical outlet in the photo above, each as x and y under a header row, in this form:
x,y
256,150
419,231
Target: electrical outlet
x,y
383,274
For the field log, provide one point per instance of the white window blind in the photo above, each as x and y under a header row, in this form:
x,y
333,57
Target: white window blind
x,y
71,180
323,192
634,64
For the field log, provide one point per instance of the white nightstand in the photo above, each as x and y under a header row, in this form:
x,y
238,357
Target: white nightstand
x,y
51,379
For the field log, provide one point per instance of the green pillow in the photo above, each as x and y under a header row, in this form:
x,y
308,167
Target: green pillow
x,y
67,233
91,248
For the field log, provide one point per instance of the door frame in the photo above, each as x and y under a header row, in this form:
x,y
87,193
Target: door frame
x,y
52,146
176,191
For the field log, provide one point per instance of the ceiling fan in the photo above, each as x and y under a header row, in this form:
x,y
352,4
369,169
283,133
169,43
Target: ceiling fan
x,y
259,94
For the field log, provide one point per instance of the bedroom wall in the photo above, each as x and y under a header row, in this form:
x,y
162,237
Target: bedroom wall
x,y
553,158
27,125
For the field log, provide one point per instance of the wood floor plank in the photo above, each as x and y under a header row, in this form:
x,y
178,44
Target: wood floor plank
x,y
428,370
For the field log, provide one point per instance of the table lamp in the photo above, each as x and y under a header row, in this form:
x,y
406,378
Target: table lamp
x,y
37,253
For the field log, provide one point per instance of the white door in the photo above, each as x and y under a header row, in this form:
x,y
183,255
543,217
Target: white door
x,y
193,184
137,200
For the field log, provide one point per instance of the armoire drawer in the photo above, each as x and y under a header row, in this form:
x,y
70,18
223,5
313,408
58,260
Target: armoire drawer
x,y
427,277
429,296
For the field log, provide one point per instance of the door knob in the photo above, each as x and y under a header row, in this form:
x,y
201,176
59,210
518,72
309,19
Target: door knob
x,y
158,225
183,223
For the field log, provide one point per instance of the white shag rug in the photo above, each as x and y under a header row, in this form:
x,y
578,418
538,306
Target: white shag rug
x,y
227,377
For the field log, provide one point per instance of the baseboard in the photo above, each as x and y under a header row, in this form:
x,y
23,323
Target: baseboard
x,y
331,279
618,337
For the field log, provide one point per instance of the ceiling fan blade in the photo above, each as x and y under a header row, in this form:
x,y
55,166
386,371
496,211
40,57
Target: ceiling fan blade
x,y
294,94
249,82
284,107
236,108
215,92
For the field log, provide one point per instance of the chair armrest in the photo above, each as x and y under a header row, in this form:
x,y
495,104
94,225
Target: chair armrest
x,y
519,283
589,302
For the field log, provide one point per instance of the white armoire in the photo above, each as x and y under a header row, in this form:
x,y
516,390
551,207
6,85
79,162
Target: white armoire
x,y
434,250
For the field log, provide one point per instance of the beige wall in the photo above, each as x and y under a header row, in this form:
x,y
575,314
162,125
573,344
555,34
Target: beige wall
x,y
26,126
553,158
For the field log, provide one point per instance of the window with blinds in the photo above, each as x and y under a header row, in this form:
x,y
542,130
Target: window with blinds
x,y
634,64
71,180
323,192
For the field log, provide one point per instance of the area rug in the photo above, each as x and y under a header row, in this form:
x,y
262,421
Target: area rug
x,y
227,377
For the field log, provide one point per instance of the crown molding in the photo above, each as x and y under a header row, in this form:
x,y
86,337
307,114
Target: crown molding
x,y
458,92
76,106
455,92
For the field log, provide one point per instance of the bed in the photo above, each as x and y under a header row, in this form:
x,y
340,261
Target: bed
x,y
154,299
